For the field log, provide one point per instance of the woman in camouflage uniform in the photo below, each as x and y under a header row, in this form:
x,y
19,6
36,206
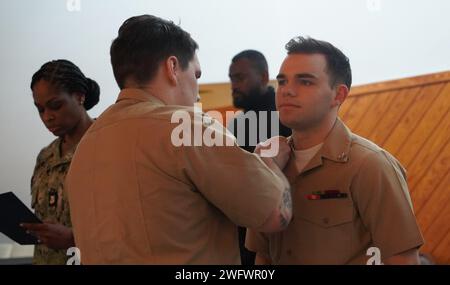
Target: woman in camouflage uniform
x,y
62,94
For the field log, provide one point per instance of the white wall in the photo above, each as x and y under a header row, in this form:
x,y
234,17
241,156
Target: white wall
x,y
384,39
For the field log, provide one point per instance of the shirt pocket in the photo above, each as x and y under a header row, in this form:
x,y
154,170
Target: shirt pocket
x,y
324,231
325,213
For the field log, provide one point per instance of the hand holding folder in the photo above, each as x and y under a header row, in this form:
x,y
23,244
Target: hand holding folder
x,y
12,213
51,234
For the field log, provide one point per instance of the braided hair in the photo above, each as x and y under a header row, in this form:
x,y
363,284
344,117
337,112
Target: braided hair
x,y
66,76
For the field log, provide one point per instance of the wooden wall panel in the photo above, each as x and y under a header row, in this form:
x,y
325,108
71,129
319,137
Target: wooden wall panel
x,y
414,125
437,143
373,114
358,110
399,105
440,253
433,205
411,117
429,182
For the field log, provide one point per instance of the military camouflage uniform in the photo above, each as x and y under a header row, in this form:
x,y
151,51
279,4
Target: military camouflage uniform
x,y
49,199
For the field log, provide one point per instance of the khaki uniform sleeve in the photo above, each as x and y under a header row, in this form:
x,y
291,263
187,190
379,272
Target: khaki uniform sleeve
x,y
382,197
235,181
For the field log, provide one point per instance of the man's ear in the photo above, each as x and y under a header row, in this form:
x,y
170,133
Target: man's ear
x,y
341,94
172,68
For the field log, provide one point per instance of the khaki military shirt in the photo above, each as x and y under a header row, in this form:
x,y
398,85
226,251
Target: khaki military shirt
x,y
351,196
49,197
136,198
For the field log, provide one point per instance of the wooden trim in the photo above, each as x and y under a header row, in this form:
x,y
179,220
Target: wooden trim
x,y
396,84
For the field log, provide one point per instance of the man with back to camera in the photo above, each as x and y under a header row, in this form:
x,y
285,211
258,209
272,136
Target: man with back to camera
x,y
350,197
135,197
249,77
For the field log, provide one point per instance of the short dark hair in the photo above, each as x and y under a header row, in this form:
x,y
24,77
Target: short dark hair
x,y
143,42
257,59
66,76
338,64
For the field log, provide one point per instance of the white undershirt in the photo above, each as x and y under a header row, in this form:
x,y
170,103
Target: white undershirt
x,y
302,157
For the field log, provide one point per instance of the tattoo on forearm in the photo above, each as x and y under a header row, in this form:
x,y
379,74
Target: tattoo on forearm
x,y
283,221
285,207
287,199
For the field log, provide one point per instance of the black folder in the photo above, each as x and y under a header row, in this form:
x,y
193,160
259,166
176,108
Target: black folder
x,y
12,213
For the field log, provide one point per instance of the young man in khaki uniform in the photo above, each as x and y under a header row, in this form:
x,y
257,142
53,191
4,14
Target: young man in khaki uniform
x,y
350,197
140,191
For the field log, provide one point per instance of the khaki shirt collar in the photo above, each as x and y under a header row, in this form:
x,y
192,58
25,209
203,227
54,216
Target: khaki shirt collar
x,y
139,95
336,147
